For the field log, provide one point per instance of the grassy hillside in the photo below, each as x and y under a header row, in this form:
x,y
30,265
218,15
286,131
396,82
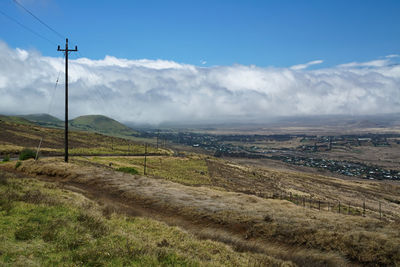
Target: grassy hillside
x,y
15,119
101,124
90,123
42,225
17,133
44,120
276,228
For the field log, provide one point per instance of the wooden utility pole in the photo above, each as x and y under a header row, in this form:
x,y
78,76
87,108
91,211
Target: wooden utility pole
x,y
66,50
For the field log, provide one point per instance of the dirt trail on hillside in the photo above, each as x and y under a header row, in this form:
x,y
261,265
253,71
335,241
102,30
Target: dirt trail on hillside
x,y
273,227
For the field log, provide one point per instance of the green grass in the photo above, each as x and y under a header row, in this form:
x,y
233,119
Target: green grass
x,y
190,170
41,225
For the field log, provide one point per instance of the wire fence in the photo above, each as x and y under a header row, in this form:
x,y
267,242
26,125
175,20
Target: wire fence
x,y
336,206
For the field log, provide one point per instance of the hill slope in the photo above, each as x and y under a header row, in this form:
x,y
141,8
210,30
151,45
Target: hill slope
x,y
90,123
45,120
15,119
101,124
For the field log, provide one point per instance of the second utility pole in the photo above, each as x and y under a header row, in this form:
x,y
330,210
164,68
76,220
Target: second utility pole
x,y
66,50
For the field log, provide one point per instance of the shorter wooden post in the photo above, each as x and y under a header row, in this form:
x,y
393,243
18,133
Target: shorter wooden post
x,y
38,149
364,208
145,158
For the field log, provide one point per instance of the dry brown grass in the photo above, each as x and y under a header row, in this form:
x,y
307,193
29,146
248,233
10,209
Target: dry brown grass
x,y
264,182
316,237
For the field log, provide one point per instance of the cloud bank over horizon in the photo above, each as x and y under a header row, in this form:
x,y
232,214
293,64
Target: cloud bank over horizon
x,y
157,91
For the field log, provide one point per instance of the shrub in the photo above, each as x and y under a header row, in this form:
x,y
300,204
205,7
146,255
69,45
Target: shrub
x,y
6,158
18,164
27,153
128,170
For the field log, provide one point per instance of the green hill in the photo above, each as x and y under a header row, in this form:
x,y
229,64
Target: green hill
x,y
15,119
101,124
44,120
90,123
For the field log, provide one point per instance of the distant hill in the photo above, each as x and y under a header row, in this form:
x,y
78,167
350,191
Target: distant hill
x,y
15,119
101,124
91,123
44,120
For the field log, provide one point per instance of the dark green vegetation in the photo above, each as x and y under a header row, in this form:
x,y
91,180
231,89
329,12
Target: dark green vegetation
x,y
6,158
27,153
18,164
41,225
128,170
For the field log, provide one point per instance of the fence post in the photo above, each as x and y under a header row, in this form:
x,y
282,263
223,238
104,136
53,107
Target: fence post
x,y
304,201
380,211
339,206
364,208
290,196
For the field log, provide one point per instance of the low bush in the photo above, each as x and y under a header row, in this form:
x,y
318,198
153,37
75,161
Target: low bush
x,y
18,164
27,153
6,158
128,170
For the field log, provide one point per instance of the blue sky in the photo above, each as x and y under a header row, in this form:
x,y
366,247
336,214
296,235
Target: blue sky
x,y
206,61
277,33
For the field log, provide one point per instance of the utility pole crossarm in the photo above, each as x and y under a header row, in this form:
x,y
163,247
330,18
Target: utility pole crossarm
x,y
66,50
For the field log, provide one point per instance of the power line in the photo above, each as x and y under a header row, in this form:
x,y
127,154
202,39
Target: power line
x,y
27,28
38,19
54,92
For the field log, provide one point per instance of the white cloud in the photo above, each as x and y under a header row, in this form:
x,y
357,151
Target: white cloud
x,y
392,56
304,66
154,91
373,63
